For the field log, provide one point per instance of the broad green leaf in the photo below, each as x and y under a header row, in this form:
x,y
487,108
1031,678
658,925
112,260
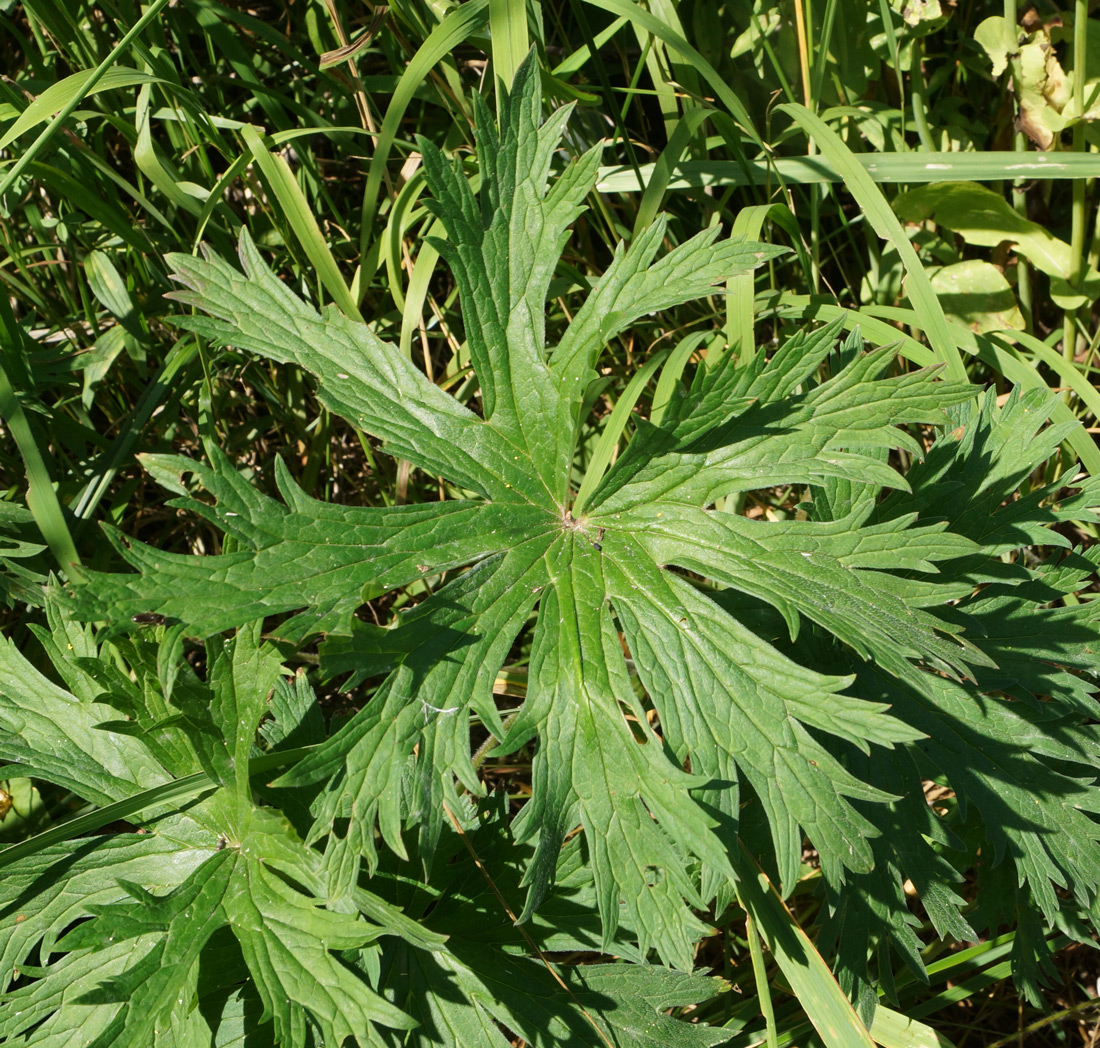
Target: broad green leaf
x,y
453,645
1010,764
17,582
985,219
22,807
999,38
443,996
639,999
241,678
805,570
972,473
635,285
1040,650
746,428
57,735
502,254
233,1016
976,294
305,553
296,718
598,1004
55,887
51,1012
747,714
367,381
151,946
1018,757
869,919
589,760
520,992
1045,98
180,923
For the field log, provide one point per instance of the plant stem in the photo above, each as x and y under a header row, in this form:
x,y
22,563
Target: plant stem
x,y
1019,203
1077,241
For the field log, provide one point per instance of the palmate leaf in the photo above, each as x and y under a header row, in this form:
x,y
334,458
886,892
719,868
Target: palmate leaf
x,y
456,996
1018,745
483,972
94,867
285,937
163,901
55,734
659,706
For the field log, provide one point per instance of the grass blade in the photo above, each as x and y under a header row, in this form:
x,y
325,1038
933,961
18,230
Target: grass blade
x,y
929,313
281,182
661,171
893,1030
643,18
909,168
508,33
41,498
57,96
828,1008
456,27
89,84
166,793
613,430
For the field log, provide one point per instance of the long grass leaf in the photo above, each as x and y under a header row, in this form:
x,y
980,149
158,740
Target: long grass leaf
x,y
671,372
613,430
166,793
75,99
927,306
1063,368
508,33
456,27
421,278
740,306
298,214
57,96
641,17
909,168
893,1030
176,790
661,171
41,498
150,164
825,1003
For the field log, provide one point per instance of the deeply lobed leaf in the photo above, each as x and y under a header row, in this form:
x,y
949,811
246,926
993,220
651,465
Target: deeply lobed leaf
x,y
695,676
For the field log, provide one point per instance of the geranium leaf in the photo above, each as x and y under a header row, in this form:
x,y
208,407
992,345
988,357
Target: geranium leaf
x,y
181,923
51,731
696,681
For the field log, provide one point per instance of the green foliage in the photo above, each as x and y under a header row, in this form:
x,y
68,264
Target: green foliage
x,y
697,681
833,616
